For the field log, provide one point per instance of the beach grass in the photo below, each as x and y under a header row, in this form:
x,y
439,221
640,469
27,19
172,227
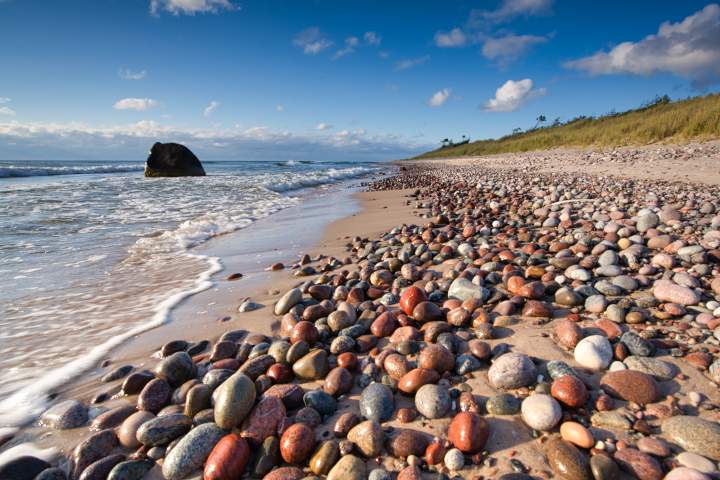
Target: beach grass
x,y
660,120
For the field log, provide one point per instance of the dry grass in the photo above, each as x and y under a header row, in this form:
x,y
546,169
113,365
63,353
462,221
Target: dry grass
x,y
692,119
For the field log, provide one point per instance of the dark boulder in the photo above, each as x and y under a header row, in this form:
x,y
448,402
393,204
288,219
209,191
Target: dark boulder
x,y
172,160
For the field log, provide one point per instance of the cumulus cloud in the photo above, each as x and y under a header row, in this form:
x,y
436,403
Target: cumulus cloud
x,y
439,98
350,44
191,7
510,47
411,62
7,111
454,38
78,140
139,104
323,126
512,95
127,74
689,48
312,41
211,108
509,9
372,38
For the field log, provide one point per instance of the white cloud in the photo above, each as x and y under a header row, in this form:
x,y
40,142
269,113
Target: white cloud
x,y
512,95
280,108
211,108
127,74
5,100
690,49
312,41
139,104
191,7
372,38
510,9
350,44
411,62
7,111
454,38
78,140
323,126
510,47
439,98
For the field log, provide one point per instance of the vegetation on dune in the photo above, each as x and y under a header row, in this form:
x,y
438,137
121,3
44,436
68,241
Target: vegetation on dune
x,y
660,120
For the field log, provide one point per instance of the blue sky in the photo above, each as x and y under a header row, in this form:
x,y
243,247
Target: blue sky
x,y
324,79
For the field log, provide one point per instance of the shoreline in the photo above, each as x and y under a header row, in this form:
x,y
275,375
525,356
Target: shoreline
x,y
543,325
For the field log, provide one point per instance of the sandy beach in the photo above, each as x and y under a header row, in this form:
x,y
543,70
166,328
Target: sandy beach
x,y
431,195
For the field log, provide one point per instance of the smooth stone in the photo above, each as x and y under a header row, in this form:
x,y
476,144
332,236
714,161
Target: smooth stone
x,y
264,420
324,403
163,429
637,345
176,369
436,357
65,415
297,443
558,368
594,352
410,298
117,374
312,366
432,401
408,442
654,446
570,391
130,470
53,473
541,412
684,473
368,436
338,381
568,333
92,449
112,418
604,468
228,459
268,456
285,473
100,469
154,396
377,402
127,433
454,460
23,468
465,364
566,461
697,462
290,299
416,378
463,289
325,457
694,434
198,398
349,467
503,404
668,291
659,369
613,419
577,434
631,385
191,452
468,432
639,464
135,382
512,370
234,400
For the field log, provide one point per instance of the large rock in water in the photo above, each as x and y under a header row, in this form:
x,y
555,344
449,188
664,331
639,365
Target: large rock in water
x,y
172,160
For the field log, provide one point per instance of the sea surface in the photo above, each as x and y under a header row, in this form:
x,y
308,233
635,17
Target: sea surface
x,y
93,253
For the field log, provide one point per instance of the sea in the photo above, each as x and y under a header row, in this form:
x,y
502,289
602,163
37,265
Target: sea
x,y
93,253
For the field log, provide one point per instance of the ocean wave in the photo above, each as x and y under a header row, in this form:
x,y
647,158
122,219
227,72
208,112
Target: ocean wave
x,y
314,179
13,171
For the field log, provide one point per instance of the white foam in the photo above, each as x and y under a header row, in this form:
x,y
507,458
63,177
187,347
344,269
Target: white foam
x,y
28,449
11,171
29,402
313,179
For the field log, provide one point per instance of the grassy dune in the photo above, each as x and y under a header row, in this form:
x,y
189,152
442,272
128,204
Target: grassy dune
x,y
662,121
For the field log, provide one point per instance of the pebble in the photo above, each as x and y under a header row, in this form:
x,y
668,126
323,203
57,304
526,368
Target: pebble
x,y
503,404
349,467
468,432
694,434
566,461
512,370
228,459
377,402
65,415
454,460
234,400
432,401
631,385
577,434
191,452
368,436
639,464
541,412
594,352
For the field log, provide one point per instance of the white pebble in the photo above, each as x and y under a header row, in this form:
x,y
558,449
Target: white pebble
x,y
454,459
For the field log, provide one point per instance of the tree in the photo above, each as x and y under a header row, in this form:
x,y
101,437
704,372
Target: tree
x,y
445,142
556,122
540,119
516,130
